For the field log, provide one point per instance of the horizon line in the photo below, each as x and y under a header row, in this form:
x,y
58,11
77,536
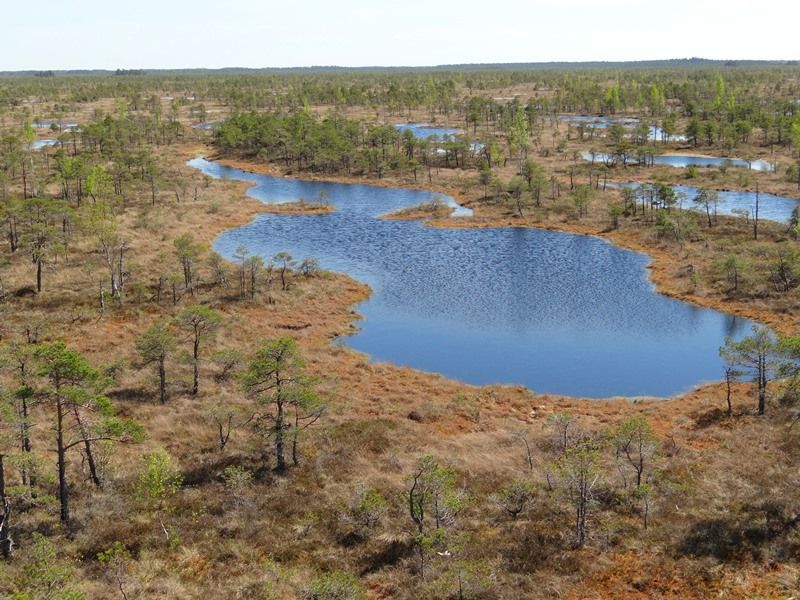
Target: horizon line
x,y
694,59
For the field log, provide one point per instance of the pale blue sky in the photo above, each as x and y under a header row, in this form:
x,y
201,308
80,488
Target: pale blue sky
x,y
73,34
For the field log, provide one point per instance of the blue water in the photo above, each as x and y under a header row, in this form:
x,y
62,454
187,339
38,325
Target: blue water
x,y
424,131
770,206
555,312
684,160
655,133
59,124
675,160
43,143
658,134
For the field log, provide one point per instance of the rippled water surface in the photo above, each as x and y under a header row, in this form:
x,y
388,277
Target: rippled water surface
x,y
556,312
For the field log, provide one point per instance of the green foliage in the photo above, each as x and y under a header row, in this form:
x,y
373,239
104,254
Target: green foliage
x,y
200,322
118,428
186,248
516,497
79,384
634,445
275,379
116,559
517,194
276,362
153,346
736,271
678,225
793,173
465,580
155,342
238,482
519,133
581,197
63,366
433,502
706,201
46,576
235,476
562,423
757,355
367,509
228,361
309,267
579,470
795,132
785,267
333,586
159,481
433,499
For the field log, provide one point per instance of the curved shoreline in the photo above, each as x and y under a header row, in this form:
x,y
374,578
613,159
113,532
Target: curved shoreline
x,y
659,266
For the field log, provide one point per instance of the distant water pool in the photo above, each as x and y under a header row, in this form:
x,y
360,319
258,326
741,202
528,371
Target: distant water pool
x,y
43,143
697,160
58,124
655,133
770,206
425,131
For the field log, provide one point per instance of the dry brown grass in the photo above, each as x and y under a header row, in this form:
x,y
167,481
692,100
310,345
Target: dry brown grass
x,y
283,530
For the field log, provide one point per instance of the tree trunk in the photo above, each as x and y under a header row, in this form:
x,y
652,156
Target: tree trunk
x,y
25,439
120,270
5,506
583,507
295,435
728,394
87,446
280,457
63,487
38,274
24,180
92,465
13,236
196,370
646,511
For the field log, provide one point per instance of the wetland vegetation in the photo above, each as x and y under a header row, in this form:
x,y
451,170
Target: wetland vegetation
x,y
219,376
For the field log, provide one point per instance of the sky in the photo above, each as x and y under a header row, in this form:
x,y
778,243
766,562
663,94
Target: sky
x,y
149,34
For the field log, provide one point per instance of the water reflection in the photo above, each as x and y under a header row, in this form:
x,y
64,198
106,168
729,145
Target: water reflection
x,y
555,312
737,203
685,160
